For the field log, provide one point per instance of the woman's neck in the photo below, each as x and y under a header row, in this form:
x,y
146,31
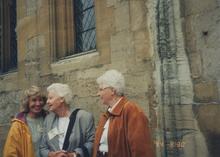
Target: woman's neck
x,y
63,112
33,115
114,101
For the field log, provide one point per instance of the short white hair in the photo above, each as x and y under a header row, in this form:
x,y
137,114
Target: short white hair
x,y
62,90
112,78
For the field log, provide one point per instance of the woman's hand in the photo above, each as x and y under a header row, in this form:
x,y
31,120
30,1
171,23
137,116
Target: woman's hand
x,y
58,154
72,154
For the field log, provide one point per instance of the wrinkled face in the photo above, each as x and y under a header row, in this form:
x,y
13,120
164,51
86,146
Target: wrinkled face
x,y
54,102
36,104
106,95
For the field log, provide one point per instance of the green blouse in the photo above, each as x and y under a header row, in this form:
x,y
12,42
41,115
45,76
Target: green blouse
x,y
36,128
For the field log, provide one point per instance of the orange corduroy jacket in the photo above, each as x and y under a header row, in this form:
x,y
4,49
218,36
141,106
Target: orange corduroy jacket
x,y
128,134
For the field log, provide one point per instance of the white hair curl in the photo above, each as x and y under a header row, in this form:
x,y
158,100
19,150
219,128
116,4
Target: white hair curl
x,y
62,90
112,78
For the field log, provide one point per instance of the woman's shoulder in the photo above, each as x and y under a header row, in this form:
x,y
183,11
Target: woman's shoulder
x,y
84,113
130,105
50,116
17,124
84,116
21,116
133,108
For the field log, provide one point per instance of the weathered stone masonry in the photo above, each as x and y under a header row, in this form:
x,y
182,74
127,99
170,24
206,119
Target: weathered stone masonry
x,y
168,51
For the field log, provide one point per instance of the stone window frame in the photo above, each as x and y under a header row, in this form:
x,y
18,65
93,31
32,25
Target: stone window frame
x,y
63,31
94,58
8,41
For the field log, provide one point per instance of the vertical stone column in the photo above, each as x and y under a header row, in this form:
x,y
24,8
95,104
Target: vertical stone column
x,y
180,134
32,58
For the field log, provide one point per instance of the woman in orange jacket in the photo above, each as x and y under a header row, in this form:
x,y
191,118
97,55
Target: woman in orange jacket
x,y
123,130
27,126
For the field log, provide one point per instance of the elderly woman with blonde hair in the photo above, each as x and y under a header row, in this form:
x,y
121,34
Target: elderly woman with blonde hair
x,y
26,128
69,132
123,130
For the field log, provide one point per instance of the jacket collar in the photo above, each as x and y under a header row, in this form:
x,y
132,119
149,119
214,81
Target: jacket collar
x,y
21,116
118,108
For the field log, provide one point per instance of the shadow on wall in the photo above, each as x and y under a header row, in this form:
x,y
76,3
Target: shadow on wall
x,y
208,117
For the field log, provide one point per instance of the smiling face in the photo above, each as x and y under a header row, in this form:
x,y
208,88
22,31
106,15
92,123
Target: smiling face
x,y
54,102
35,105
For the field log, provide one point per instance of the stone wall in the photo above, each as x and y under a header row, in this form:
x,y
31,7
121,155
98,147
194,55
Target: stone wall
x,y
9,106
201,23
123,43
166,49
178,133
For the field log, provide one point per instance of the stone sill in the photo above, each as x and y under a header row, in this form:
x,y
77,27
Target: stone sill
x,y
11,75
75,62
8,81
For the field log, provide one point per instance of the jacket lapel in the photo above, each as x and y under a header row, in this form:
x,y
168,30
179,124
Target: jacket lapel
x,y
119,107
54,142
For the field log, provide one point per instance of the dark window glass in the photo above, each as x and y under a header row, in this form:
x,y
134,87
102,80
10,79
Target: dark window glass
x,y
85,30
8,41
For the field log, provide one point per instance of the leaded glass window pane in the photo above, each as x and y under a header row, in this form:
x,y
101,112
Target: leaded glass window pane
x,y
84,15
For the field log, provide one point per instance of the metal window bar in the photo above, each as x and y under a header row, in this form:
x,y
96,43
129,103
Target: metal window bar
x,y
84,18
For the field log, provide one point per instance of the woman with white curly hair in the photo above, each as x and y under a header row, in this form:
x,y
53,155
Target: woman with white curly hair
x,y
69,132
123,130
